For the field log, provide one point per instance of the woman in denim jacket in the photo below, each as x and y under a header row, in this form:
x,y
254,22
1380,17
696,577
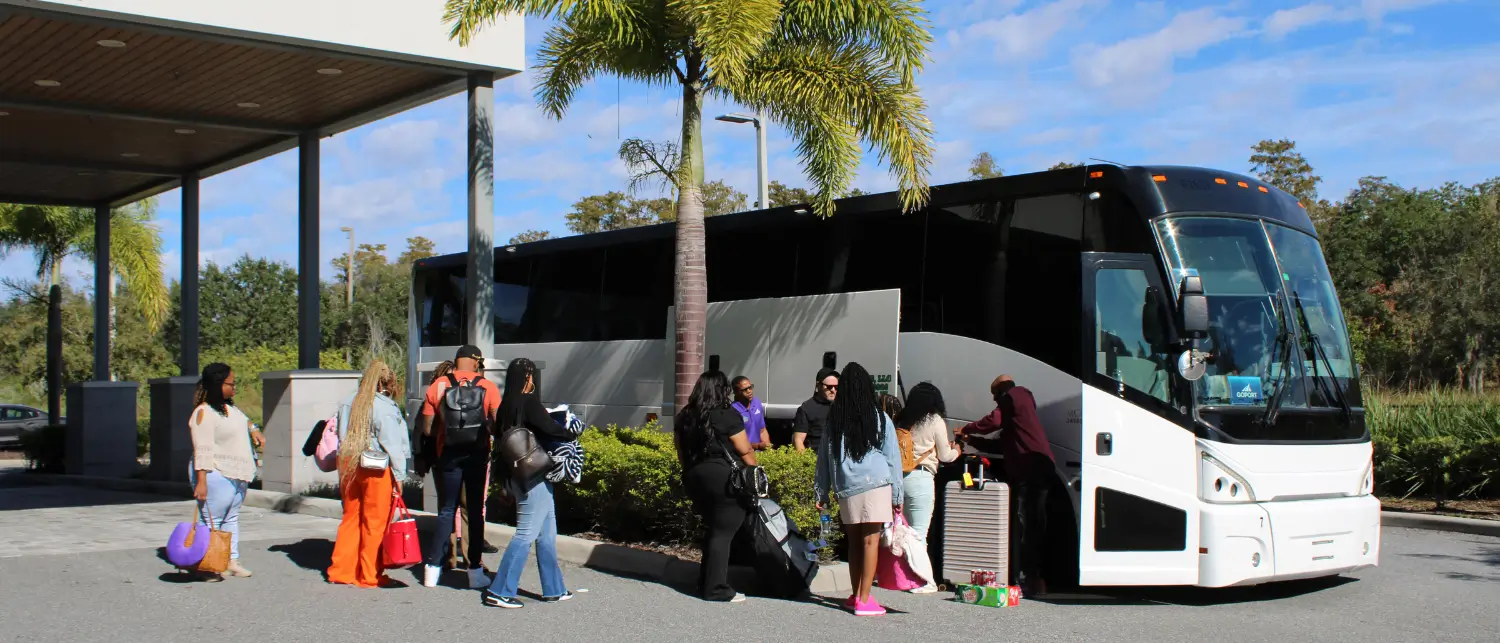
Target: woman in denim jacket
x,y
370,419
859,460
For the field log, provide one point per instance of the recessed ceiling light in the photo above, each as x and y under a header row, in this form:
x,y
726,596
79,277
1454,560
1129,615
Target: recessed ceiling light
x,y
112,44
4,113
129,155
248,105
47,83
184,130
330,71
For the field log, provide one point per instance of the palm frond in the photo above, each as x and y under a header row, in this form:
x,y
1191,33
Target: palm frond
x,y
729,32
466,18
898,28
650,162
819,88
581,47
135,255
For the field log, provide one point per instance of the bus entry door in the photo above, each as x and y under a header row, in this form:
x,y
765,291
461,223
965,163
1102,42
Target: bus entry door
x,y
1138,506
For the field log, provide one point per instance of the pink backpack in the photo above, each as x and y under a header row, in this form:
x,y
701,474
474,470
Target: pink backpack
x,y
326,456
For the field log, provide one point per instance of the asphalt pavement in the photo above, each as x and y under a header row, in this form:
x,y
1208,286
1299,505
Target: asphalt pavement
x,y
83,565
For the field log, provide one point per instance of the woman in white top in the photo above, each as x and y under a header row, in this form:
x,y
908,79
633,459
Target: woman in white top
x,y
924,414
223,458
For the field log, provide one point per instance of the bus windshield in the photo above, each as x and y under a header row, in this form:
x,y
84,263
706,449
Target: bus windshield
x,y
1251,331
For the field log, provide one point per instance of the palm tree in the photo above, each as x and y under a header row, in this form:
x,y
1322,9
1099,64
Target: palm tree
x,y
838,74
55,233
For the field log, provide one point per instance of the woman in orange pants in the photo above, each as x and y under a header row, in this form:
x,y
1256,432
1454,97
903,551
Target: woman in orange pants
x,y
373,450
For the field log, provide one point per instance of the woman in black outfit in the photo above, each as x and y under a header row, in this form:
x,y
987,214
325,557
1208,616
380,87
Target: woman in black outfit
x,y
708,432
536,514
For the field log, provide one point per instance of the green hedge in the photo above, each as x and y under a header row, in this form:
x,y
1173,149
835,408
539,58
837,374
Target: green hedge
x,y
631,490
1438,446
45,448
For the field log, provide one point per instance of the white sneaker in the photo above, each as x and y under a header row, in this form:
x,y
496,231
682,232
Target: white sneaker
x,y
430,574
738,598
925,589
478,579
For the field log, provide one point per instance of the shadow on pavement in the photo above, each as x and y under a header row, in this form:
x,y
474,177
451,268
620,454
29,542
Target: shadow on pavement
x,y
309,553
1195,596
18,496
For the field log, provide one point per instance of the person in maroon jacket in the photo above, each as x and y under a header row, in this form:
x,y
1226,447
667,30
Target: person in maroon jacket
x,y
1014,431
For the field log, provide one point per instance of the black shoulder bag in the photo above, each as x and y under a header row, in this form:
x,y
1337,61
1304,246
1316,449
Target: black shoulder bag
x,y
745,482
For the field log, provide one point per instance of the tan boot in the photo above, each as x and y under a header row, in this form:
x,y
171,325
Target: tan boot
x,y
236,570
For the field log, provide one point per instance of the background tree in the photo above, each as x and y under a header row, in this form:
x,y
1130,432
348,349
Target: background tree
x,y
719,198
836,74
417,249
528,236
1063,165
984,167
615,211
780,195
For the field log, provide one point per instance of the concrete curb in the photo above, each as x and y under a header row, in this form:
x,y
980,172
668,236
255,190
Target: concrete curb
x,y
1440,523
628,561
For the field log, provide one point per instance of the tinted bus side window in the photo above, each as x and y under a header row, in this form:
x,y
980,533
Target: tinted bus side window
x,y
441,311
1044,242
638,280
512,292
885,251
564,301
963,291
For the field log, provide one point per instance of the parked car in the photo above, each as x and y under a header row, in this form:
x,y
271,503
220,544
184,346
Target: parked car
x,y
16,419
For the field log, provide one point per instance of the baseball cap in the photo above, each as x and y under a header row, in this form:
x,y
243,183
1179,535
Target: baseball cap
x,y
823,374
470,351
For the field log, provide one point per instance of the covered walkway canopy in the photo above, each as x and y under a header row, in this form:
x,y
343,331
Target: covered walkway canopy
x,y
106,102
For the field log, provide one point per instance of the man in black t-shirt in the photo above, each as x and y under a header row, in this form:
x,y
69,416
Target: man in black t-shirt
x,y
807,426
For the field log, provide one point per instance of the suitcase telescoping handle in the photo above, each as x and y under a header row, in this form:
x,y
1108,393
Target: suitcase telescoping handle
x,y
971,482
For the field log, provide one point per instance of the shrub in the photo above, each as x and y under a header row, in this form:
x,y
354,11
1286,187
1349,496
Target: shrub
x,y
142,436
631,489
1441,445
45,448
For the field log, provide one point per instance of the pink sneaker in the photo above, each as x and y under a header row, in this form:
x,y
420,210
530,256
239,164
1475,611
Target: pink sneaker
x,y
868,608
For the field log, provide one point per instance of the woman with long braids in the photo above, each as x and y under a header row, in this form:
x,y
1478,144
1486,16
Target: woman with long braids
x,y
859,460
709,431
223,458
370,420
536,515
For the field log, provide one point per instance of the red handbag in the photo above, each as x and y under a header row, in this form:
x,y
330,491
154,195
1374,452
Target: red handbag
x,y
401,547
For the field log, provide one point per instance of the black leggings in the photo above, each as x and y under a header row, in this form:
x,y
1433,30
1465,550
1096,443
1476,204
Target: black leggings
x,y
708,486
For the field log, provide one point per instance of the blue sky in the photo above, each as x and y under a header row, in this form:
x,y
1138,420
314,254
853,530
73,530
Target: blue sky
x,y
1406,89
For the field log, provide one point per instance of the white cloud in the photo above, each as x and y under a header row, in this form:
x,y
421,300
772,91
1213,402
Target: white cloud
x,y
1137,66
1286,21
1026,34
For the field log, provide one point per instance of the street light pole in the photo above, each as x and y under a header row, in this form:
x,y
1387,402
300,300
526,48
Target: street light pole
x,y
763,198
349,296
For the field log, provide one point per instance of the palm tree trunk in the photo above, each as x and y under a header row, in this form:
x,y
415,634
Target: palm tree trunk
x,y
692,268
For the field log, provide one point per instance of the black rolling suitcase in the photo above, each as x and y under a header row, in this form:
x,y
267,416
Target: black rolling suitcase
x,y
784,564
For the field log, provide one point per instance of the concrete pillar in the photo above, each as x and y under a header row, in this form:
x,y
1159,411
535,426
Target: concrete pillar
x,y
292,402
479,322
309,331
101,431
101,293
187,361
171,444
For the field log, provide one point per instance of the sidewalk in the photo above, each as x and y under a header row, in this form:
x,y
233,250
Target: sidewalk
x,y
619,559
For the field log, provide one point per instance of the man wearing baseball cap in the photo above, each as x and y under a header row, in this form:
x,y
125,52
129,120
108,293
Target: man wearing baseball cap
x,y
460,467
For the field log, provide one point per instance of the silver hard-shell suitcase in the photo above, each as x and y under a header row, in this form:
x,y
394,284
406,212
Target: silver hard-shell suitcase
x,y
976,529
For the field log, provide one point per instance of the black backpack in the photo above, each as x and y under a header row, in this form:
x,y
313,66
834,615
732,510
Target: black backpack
x,y
463,412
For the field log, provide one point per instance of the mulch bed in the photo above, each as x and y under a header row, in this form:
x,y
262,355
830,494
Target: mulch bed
x,y
681,551
1481,509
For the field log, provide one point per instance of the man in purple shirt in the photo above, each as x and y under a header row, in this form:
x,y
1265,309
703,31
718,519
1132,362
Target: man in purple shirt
x,y
752,412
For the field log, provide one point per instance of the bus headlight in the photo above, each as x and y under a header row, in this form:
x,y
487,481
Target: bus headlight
x,y
1218,483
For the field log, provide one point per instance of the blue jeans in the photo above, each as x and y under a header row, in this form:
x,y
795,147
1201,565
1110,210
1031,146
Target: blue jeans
x,y
536,521
224,499
920,491
457,470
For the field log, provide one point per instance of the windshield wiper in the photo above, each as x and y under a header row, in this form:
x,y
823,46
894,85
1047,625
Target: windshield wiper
x,y
1282,347
1320,355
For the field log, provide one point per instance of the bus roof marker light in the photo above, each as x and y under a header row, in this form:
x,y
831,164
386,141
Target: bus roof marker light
x,y
1221,181
1262,188
1299,204
1096,174
1159,178
1242,184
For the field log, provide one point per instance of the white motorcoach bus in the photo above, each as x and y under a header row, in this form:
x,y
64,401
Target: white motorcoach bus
x,y
1177,325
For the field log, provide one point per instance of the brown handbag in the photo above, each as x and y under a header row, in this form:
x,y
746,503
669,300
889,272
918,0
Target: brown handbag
x,y
216,559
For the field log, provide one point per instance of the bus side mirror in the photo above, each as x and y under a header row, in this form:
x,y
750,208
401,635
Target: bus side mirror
x,y
1192,307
